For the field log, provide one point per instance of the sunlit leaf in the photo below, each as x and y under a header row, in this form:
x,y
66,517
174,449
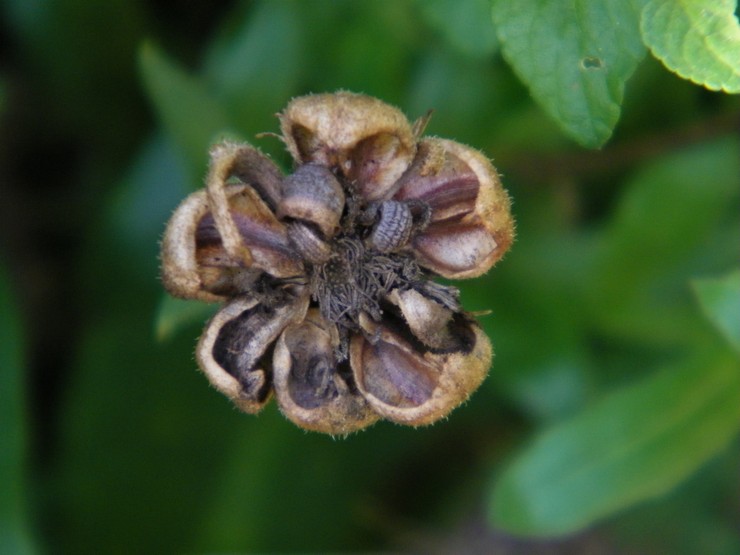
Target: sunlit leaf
x,y
698,39
633,445
575,56
720,299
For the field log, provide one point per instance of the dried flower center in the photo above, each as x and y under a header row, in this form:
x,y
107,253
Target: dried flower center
x,y
355,279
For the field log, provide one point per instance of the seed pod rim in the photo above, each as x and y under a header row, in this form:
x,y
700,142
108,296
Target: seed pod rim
x,y
492,211
350,412
179,265
460,374
218,376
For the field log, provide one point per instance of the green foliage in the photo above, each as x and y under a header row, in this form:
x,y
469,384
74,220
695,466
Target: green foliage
x,y
575,57
665,217
465,24
611,409
630,446
14,528
699,40
176,314
189,114
720,298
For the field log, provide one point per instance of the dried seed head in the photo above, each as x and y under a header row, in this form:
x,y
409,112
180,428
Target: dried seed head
x,y
327,272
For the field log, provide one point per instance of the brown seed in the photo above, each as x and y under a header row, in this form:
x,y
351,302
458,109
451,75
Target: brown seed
x,y
307,241
312,194
393,229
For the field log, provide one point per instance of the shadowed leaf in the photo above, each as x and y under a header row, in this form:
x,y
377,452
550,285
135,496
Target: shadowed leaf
x,y
633,445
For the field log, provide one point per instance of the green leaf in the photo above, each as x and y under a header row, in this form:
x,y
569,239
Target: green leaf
x,y
14,530
466,24
252,85
635,444
697,39
187,111
175,314
720,300
664,232
575,56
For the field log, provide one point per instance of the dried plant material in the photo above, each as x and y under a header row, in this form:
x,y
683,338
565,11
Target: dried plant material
x,y
326,273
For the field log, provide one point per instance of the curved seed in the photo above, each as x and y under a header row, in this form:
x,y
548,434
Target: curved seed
x,y
308,243
440,329
314,195
393,229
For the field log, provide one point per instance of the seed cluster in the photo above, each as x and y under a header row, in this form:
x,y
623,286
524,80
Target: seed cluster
x,y
355,279
325,274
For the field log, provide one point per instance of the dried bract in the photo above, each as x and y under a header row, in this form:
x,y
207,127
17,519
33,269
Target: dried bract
x,y
326,274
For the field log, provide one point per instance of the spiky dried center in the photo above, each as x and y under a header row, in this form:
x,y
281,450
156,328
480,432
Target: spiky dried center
x,y
355,279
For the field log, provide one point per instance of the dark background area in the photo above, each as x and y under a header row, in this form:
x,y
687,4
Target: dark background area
x,y
119,443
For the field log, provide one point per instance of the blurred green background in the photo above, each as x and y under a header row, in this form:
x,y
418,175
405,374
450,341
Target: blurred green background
x,y
608,423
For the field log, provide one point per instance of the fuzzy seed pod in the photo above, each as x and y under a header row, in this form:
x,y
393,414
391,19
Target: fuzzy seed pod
x,y
233,345
369,142
471,225
326,274
408,385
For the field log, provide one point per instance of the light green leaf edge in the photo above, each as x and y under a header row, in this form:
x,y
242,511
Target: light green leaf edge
x,y
632,446
575,56
697,39
720,301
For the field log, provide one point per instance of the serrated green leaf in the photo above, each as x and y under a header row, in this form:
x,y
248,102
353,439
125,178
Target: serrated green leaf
x,y
14,532
634,445
575,56
187,111
720,299
465,24
175,314
697,39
